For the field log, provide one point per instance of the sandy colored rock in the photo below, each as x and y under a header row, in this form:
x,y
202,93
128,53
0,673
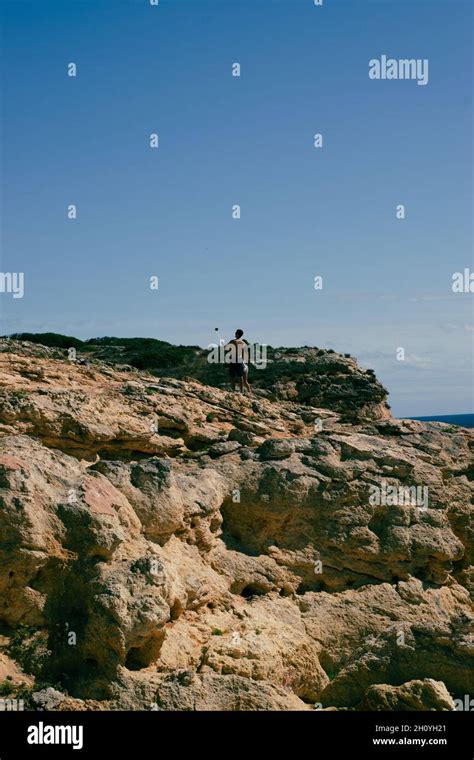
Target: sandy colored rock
x,y
174,546
423,695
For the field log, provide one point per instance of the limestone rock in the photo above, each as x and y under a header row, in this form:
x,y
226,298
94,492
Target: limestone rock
x,y
422,695
276,449
173,546
48,699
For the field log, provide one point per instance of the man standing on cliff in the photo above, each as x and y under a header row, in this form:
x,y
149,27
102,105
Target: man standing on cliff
x,y
238,366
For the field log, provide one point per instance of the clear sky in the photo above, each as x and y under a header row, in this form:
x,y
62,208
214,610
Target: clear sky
x,y
225,140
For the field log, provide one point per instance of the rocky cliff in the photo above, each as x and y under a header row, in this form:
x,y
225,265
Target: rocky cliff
x,y
170,545
314,376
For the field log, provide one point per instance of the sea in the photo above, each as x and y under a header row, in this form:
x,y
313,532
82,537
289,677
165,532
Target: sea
x,y
464,420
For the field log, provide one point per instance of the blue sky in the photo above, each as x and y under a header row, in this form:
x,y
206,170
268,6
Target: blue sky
x,y
248,141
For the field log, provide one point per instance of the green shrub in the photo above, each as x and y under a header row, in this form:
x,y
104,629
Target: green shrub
x,y
28,647
53,340
6,688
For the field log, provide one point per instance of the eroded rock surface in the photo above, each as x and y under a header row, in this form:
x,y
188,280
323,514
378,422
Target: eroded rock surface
x,y
173,546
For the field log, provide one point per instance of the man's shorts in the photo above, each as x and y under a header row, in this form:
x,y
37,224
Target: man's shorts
x,y
236,370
